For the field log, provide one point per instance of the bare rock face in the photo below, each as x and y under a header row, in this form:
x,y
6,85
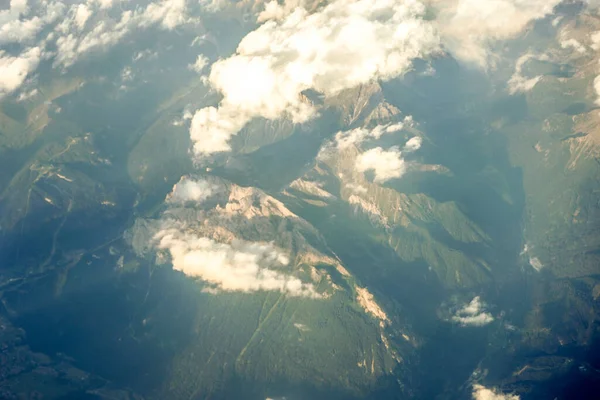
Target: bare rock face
x,y
357,103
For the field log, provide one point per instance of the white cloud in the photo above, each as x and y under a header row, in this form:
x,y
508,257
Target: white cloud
x,y
573,44
104,4
356,188
23,96
200,63
82,14
239,266
597,89
386,164
72,44
188,189
19,25
19,6
470,27
595,38
169,13
355,137
413,144
482,393
14,70
344,44
519,83
278,11
202,241
473,314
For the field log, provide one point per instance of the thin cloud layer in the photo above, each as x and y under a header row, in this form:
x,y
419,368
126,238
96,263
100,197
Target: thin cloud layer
x,y
342,45
482,393
473,314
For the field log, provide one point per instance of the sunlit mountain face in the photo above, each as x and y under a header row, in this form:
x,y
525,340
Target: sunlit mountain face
x,y
300,199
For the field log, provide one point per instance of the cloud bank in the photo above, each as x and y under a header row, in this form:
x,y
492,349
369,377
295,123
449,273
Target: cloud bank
x,y
473,314
340,46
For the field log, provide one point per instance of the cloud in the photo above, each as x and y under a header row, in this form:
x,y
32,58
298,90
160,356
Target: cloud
x,y
413,144
104,4
200,239
277,11
386,164
82,14
595,38
107,32
238,266
470,27
482,393
473,314
15,69
18,25
519,83
66,32
169,13
597,89
356,188
573,44
340,46
200,63
355,137
188,189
